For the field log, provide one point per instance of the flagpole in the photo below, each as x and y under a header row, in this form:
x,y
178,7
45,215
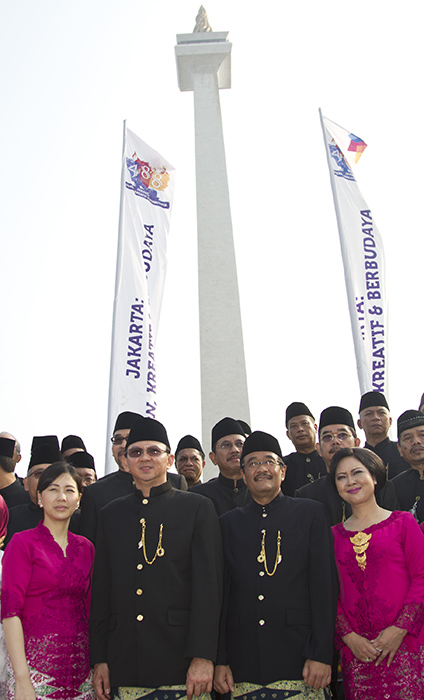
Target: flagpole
x,y
111,414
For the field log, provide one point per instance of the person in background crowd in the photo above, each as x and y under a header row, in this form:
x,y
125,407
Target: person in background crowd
x,y
157,582
112,485
45,598
375,421
280,587
17,451
337,430
190,459
380,561
84,464
11,488
246,427
227,490
410,484
306,464
421,406
39,440
70,445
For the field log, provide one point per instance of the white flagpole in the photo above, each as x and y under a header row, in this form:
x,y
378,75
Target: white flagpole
x,y
111,417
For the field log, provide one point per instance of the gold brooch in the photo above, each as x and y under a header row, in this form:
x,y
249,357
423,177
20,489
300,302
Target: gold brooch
x,y
142,544
360,543
262,555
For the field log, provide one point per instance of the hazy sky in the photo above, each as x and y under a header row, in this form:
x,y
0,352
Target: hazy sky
x,y
72,72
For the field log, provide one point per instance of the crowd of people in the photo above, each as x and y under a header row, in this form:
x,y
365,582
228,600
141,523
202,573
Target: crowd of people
x,y
285,576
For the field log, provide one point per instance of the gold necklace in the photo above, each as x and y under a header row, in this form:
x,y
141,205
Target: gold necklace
x,y
142,544
360,543
262,555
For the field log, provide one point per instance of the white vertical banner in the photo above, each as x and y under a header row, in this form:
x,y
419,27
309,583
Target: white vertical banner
x,y
363,259
147,189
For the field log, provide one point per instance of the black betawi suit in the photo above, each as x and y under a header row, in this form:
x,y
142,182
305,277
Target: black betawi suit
x,y
149,620
107,489
272,624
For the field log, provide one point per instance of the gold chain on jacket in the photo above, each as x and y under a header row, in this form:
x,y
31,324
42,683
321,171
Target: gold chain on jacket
x,y
142,544
262,555
360,543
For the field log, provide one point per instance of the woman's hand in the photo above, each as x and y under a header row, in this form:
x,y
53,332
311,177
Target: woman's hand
x,y
24,690
362,648
388,642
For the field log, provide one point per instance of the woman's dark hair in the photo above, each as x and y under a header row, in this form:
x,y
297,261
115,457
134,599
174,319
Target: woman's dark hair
x,y
54,471
369,459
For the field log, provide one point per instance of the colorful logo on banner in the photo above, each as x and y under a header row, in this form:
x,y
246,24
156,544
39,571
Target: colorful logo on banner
x,y
357,146
147,181
343,168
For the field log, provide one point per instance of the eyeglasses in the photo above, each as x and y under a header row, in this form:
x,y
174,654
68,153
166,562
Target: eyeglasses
x,y
37,473
226,445
136,452
118,440
269,463
340,437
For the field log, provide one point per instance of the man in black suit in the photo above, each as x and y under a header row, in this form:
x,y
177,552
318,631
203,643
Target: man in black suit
x,y
11,487
375,421
280,586
115,485
157,581
337,430
410,484
227,490
305,465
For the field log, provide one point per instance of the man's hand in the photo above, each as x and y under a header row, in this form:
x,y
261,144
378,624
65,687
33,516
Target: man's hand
x,y
101,681
223,681
388,642
316,674
199,677
362,648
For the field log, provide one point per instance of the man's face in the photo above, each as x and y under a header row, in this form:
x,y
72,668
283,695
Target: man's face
x,y
148,462
333,438
227,455
190,463
88,476
302,431
263,475
119,445
375,421
32,478
411,446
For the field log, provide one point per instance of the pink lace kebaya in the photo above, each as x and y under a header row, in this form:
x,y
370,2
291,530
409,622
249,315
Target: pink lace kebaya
x,y
50,593
388,590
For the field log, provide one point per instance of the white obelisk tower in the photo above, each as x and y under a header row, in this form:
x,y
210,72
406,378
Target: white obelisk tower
x,y
204,67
